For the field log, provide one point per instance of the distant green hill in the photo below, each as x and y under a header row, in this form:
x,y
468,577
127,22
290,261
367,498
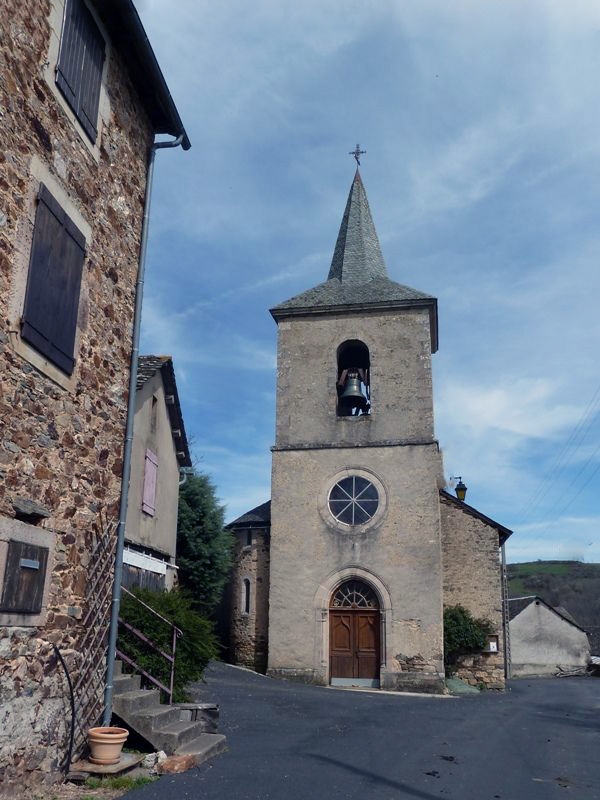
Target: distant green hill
x,y
573,585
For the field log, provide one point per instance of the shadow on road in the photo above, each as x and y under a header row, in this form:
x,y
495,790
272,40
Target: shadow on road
x,y
378,780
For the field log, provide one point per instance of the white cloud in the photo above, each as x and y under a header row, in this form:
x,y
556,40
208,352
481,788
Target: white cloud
x,y
565,539
482,168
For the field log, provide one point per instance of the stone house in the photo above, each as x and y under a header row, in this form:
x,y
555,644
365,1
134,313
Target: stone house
x,y
160,451
342,578
544,639
82,98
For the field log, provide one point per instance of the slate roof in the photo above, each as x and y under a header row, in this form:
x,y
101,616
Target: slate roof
x,y
149,366
357,257
358,278
518,604
503,532
258,517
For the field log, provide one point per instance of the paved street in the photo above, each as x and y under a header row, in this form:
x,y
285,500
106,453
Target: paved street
x,y
540,740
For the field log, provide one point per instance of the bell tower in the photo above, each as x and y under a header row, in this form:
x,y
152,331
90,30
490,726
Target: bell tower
x,y
356,574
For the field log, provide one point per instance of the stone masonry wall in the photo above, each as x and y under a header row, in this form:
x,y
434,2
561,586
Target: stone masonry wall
x,y
398,552
249,630
472,578
61,441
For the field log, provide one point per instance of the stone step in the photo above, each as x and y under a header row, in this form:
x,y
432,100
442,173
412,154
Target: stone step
x,y
204,746
175,735
127,703
126,683
149,720
179,728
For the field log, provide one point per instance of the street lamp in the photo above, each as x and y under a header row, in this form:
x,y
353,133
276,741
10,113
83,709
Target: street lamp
x,y
460,489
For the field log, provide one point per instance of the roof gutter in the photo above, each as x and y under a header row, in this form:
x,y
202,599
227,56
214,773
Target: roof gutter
x,y
135,349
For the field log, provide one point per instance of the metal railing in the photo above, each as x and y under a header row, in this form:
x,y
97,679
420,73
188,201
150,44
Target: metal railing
x,y
176,633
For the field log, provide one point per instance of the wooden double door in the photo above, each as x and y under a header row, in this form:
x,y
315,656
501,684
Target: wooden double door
x,y
354,625
354,646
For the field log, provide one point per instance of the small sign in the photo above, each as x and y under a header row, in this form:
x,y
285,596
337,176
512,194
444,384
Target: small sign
x,y
492,646
29,563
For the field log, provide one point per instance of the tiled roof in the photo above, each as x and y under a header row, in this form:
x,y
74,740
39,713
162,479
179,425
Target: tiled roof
x,y
503,532
358,278
518,604
149,366
259,516
334,292
357,256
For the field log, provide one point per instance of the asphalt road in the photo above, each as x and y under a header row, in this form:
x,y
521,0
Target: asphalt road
x,y
539,740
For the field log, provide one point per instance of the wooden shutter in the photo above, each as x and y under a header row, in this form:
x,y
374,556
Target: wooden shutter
x,y
49,321
24,578
80,63
150,476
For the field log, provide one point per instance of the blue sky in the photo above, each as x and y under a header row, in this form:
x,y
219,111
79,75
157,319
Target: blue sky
x,y
481,124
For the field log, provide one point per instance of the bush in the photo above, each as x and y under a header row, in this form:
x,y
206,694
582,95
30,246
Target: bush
x,y
463,633
195,648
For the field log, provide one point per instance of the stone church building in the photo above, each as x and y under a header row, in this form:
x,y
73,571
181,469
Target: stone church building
x,y
343,576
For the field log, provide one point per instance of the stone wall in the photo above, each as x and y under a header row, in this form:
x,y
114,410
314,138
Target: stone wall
x,y
249,641
473,579
398,552
61,437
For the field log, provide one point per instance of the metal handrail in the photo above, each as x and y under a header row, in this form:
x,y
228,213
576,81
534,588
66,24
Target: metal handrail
x,y
177,633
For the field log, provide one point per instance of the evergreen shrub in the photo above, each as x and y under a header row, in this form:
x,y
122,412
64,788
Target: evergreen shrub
x,y
195,648
463,634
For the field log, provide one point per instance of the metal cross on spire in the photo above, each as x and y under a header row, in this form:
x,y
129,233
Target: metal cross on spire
x,y
357,153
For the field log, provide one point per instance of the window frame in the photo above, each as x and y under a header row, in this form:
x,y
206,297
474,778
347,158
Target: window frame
x,y
350,498
48,324
13,530
150,484
80,64
342,527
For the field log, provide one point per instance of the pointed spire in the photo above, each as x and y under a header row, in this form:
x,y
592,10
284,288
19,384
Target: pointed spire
x,y
357,257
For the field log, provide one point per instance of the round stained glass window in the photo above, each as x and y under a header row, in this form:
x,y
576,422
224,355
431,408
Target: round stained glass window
x,y
353,500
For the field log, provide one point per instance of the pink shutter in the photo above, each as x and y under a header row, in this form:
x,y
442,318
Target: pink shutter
x,y
150,474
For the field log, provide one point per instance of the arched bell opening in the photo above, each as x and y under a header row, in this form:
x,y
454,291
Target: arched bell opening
x,y
354,635
353,379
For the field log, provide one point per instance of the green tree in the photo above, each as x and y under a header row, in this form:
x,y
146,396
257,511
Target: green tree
x,y
463,633
203,544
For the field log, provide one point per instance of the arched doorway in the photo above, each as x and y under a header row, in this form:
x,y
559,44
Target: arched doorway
x,y
354,626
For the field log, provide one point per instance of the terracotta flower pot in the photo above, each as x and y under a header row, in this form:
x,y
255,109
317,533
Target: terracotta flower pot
x,y
106,744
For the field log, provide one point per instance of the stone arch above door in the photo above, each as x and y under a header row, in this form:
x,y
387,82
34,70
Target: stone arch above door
x,y
323,597
335,579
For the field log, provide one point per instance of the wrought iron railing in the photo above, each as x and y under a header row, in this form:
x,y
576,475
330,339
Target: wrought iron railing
x,y
176,633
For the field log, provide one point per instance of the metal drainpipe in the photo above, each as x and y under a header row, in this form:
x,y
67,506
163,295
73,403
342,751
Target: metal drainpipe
x,y
137,319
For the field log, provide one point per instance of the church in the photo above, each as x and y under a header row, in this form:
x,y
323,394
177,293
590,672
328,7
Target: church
x,y
342,577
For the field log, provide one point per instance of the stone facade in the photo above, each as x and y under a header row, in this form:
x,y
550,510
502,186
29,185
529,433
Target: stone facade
x,y
473,579
249,601
359,600
62,435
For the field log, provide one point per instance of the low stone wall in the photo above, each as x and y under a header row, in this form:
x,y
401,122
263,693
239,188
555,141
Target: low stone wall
x,y
481,669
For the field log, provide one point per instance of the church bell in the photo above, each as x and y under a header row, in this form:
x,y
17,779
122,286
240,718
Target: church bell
x,y
352,396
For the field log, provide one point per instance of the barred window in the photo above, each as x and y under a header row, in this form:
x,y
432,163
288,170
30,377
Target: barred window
x,y
353,500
